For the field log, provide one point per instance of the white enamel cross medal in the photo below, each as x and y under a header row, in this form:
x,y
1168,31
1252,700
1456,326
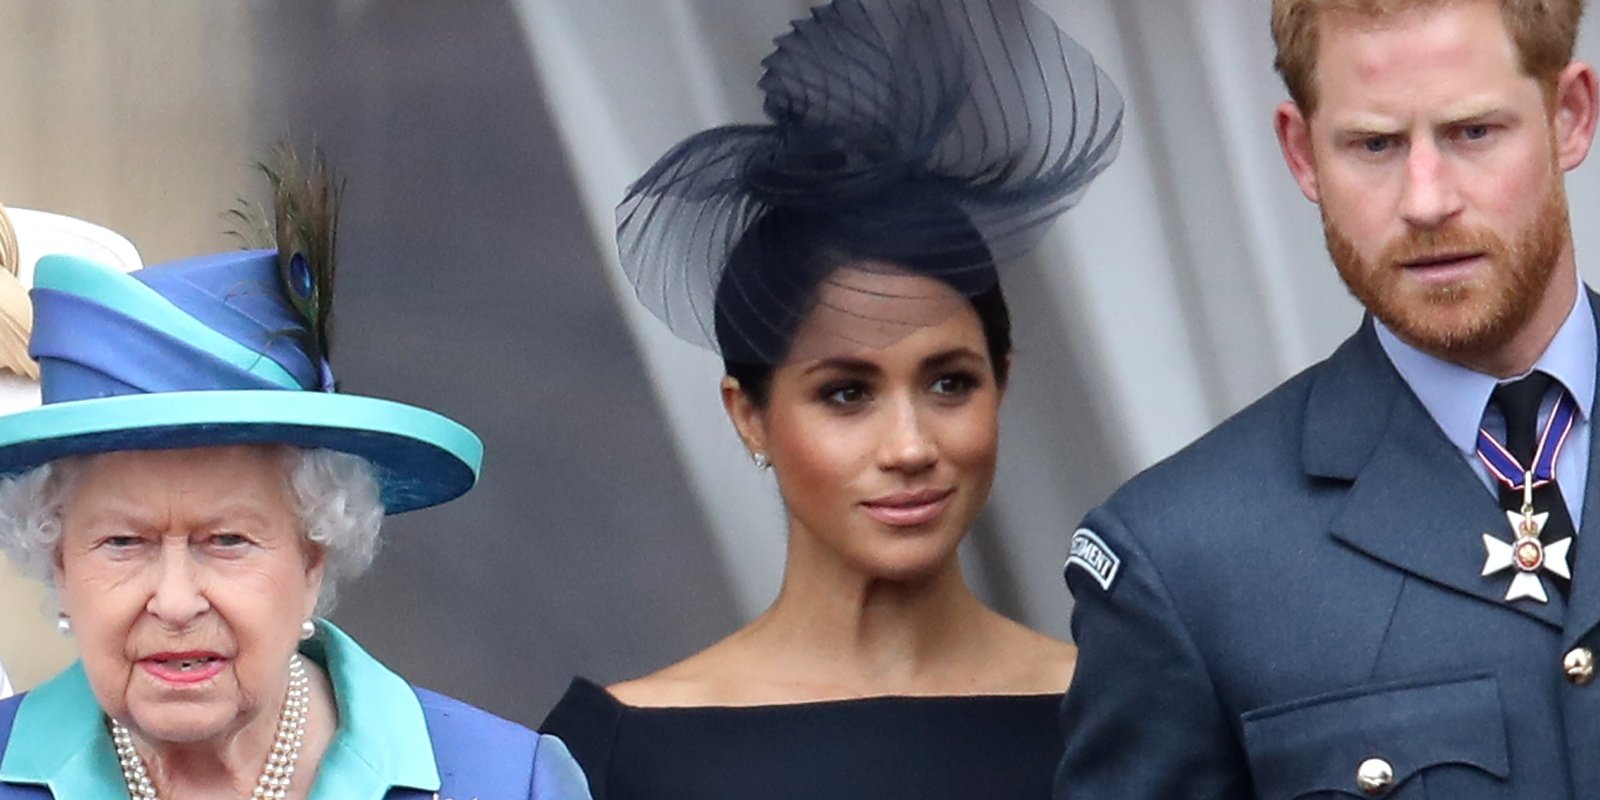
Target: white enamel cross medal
x,y
1526,554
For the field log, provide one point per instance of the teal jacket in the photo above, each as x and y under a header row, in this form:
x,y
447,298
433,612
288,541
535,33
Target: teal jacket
x,y
394,742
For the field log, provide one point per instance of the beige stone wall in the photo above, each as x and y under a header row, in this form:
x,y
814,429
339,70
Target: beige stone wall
x,y
138,115
30,648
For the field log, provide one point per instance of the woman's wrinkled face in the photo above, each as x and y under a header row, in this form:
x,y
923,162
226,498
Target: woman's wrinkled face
x,y
883,440
187,579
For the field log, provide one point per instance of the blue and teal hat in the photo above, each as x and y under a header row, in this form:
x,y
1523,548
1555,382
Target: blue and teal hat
x,y
209,351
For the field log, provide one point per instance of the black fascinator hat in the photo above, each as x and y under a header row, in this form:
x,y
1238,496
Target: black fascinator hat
x,y
939,136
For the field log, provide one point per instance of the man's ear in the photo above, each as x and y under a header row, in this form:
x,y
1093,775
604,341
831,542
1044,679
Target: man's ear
x,y
1573,113
1294,138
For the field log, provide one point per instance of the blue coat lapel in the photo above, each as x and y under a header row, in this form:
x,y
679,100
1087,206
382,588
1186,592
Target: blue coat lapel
x,y
1413,502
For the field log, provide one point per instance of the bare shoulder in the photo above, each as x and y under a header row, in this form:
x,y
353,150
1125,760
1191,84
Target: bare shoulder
x,y
1057,660
664,689
1039,664
699,680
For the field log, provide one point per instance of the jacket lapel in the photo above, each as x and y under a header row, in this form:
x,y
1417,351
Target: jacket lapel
x,y
1413,502
1584,613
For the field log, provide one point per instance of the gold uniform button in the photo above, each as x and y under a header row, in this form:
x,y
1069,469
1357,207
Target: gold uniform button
x,y
1375,776
1579,666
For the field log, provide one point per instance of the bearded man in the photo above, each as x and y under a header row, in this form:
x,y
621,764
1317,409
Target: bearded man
x,y
1381,579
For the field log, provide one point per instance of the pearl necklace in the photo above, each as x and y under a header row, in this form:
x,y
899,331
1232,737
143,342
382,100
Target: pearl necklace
x,y
275,776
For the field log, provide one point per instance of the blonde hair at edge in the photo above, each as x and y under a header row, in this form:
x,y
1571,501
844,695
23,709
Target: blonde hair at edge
x,y
16,312
29,651
1545,32
336,497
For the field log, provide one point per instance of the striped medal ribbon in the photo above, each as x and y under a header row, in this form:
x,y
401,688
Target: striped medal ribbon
x,y
1526,553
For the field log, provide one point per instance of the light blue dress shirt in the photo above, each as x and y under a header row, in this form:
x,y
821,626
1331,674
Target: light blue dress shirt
x,y
1458,398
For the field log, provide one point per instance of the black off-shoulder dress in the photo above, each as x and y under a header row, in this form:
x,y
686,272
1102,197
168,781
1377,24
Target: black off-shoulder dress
x,y
986,747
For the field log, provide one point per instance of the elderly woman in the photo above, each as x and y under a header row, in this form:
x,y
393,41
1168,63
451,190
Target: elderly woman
x,y
192,491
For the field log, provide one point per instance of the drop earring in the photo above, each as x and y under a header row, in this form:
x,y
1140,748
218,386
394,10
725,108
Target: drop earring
x,y
63,624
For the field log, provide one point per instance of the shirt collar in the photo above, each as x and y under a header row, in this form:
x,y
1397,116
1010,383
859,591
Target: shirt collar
x,y
382,740
1455,396
59,738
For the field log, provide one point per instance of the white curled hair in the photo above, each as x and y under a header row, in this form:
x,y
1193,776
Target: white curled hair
x,y
335,494
30,517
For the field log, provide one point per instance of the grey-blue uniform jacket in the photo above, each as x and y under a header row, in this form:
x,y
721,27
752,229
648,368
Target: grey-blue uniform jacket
x,y
1299,593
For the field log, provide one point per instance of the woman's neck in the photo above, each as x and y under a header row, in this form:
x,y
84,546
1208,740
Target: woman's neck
x,y
836,632
847,633
206,769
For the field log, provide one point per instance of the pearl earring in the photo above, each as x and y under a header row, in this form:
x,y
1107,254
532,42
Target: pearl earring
x,y
64,624
308,629
761,460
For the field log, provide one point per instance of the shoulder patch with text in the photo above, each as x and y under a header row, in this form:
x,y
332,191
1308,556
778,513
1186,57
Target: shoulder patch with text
x,y
1091,554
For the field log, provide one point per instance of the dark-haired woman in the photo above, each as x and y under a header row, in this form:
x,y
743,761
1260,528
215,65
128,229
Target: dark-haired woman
x,y
858,311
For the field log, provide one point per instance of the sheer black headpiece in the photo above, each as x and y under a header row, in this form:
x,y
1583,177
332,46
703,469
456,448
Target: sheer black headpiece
x,y
938,136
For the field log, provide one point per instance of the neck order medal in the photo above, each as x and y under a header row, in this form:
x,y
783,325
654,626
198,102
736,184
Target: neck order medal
x,y
1525,553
